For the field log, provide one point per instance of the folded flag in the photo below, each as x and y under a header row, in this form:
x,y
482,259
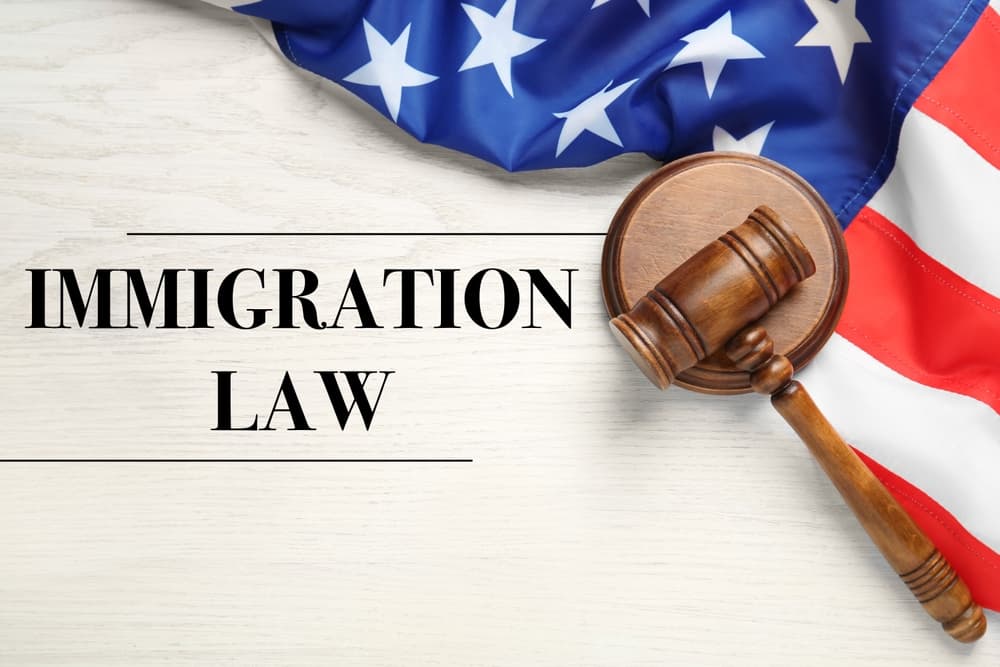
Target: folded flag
x,y
890,108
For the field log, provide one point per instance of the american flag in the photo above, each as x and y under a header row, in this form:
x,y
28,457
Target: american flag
x,y
890,108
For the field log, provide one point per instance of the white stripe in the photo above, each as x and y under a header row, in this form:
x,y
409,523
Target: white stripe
x,y
945,444
946,198
995,4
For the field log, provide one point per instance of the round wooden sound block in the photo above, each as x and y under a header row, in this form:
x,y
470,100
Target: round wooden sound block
x,y
685,205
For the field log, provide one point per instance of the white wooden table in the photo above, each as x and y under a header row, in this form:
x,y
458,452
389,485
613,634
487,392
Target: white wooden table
x,y
601,522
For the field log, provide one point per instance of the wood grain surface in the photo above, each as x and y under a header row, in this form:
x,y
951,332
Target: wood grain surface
x,y
602,521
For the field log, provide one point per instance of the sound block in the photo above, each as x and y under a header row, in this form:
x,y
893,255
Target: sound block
x,y
685,205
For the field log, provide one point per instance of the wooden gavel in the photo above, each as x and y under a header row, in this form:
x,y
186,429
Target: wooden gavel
x,y
711,301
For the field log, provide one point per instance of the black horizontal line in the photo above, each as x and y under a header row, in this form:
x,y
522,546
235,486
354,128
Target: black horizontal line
x,y
236,460
365,234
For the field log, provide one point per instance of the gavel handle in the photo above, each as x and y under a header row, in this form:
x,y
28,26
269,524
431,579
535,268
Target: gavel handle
x,y
930,577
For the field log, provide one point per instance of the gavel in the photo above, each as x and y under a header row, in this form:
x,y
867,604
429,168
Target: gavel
x,y
711,302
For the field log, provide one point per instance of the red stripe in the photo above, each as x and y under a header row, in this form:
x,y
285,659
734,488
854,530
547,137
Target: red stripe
x,y
918,317
921,319
978,565
965,95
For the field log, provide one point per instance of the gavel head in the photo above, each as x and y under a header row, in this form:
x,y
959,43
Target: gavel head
x,y
725,286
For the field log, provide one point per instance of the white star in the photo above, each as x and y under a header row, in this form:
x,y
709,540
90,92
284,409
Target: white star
x,y
642,3
751,143
499,43
713,47
590,116
388,68
838,28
